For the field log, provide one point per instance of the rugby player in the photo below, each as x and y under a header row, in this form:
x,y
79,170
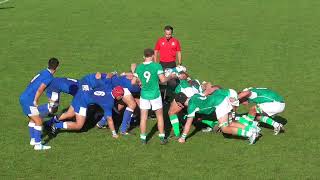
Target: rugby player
x,y
29,102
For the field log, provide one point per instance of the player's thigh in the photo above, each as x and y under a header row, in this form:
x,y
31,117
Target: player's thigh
x,y
80,120
223,109
156,103
272,108
129,101
174,108
145,104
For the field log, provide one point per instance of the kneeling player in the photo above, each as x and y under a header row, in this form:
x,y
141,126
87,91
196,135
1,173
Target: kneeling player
x,y
100,96
222,105
267,104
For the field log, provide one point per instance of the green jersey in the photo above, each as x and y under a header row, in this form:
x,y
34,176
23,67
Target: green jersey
x,y
223,92
264,95
204,104
186,88
148,73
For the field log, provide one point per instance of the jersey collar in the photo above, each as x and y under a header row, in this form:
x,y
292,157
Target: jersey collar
x,y
148,62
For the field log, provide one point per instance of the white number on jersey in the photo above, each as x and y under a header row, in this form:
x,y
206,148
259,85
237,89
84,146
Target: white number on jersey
x,y
34,78
99,93
147,75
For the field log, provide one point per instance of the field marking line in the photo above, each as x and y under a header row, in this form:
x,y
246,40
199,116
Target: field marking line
x,y
1,2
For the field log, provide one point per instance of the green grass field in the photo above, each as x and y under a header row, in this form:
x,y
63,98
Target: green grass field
x,y
233,43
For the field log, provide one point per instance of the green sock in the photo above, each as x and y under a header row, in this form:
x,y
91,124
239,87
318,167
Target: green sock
x,y
249,127
143,136
175,124
244,121
210,123
243,133
251,117
269,121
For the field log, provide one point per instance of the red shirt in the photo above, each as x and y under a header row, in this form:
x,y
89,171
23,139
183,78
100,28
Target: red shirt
x,y
167,49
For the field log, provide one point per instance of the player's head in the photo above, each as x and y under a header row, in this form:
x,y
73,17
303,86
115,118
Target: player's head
x,y
181,99
117,92
168,31
53,64
148,53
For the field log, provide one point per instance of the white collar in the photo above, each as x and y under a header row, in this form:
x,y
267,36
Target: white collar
x,y
147,62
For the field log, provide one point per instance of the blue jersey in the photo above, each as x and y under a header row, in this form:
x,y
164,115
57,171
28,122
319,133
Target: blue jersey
x,y
43,77
99,96
65,85
89,82
123,81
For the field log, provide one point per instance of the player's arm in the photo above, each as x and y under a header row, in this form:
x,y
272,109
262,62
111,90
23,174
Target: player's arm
x,y
135,80
39,93
112,128
164,79
156,55
186,130
179,57
243,97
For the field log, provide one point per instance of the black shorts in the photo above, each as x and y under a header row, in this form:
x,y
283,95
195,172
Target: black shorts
x,y
166,65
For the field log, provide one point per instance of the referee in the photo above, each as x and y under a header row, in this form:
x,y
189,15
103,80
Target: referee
x,y
168,48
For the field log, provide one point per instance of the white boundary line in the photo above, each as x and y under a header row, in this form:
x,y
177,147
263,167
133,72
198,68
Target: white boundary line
x,y
4,1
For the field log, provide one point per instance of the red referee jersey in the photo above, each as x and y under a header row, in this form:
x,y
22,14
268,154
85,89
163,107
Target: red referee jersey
x,y
167,49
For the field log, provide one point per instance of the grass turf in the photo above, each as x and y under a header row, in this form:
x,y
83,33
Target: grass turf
x,y
233,43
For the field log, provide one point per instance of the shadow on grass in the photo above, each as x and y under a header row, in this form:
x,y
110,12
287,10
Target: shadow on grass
x,y
9,7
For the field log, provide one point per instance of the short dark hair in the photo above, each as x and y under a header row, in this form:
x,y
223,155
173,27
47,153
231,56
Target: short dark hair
x,y
168,28
181,98
53,63
148,52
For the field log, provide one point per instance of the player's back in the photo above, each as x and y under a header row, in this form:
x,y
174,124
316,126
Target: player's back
x,y
262,95
43,77
65,85
148,73
123,81
90,82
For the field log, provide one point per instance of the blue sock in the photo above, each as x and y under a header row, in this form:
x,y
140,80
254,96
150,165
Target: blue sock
x,y
31,129
43,110
59,125
37,134
102,121
126,119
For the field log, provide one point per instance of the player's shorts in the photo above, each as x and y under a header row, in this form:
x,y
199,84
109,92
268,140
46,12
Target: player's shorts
x,y
53,96
126,92
272,108
28,108
153,104
224,108
79,106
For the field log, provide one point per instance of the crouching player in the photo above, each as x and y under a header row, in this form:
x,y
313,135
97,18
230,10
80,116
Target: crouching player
x,y
222,105
53,91
29,102
129,99
100,96
267,104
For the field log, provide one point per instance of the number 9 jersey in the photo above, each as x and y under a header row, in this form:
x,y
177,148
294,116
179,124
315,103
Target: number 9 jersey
x,y
148,73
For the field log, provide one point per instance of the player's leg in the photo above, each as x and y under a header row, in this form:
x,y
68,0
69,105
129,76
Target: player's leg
x,y
37,132
174,120
144,108
157,107
233,128
266,110
127,115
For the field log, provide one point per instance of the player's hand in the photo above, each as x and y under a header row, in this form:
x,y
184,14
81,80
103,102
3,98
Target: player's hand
x,y
181,140
116,136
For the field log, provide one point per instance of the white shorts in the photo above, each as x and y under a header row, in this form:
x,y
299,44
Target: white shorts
x,y
224,108
154,103
126,92
272,108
